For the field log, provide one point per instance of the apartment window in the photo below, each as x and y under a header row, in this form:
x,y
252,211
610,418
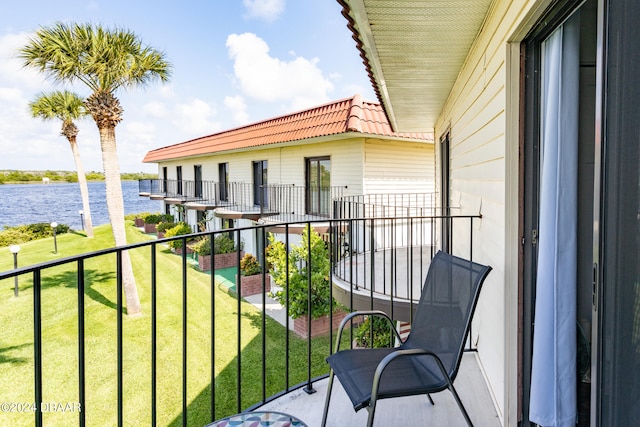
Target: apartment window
x,y
197,178
179,179
223,180
259,183
227,224
318,177
165,177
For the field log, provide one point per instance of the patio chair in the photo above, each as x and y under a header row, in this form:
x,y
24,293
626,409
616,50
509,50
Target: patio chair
x,y
428,361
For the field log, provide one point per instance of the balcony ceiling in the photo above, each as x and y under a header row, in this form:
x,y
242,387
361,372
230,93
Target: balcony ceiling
x,y
413,51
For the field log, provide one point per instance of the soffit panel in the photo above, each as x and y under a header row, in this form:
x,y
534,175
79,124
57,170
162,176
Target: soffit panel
x,y
415,50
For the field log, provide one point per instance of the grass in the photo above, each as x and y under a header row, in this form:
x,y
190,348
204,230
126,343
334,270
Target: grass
x,y
60,340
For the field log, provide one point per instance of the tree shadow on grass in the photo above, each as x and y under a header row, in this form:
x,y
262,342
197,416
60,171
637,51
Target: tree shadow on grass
x,y
5,358
69,279
275,359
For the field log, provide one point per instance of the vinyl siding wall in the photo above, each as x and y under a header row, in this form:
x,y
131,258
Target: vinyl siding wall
x,y
286,164
392,167
476,115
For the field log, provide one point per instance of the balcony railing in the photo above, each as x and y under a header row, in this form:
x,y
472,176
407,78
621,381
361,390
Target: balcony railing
x,y
148,361
282,202
386,205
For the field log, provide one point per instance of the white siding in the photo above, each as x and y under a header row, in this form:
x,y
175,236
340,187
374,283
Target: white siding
x,y
286,165
476,115
398,167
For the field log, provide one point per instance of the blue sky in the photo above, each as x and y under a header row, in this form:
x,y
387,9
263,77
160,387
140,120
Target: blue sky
x,y
234,62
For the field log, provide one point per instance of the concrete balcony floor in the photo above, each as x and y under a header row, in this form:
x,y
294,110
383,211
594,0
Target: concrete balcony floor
x,y
403,411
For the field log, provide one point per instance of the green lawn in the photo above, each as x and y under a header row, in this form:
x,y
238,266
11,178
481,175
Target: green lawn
x,y
60,335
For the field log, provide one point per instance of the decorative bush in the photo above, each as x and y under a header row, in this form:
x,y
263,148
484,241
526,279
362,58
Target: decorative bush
x,y
152,218
249,265
180,229
381,333
164,226
26,233
298,260
223,244
167,218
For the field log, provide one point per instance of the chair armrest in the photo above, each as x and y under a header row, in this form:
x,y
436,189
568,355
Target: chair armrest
x,y
404,353
353,314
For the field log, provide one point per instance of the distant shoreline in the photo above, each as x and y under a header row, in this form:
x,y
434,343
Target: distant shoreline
x,y
39,177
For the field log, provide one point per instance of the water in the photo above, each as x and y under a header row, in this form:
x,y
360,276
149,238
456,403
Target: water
x,y
31,203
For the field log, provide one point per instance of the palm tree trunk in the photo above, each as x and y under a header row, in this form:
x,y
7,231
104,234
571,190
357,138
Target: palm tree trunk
x,y
84,191
115,208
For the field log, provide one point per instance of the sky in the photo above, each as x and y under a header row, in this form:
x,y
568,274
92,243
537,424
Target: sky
x,y
234,62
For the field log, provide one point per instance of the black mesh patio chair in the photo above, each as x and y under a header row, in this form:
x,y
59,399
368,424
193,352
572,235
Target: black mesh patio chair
x,y
428,361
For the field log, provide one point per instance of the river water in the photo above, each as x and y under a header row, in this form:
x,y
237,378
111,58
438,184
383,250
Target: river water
x,y
32,203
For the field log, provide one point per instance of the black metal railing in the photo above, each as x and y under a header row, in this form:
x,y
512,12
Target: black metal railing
x,y
152,359
286,202
387,205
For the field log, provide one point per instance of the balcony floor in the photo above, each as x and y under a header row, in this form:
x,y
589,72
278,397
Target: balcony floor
x,y
414,410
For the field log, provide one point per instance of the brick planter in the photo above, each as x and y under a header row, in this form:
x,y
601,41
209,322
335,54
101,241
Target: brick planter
x,y
149,228
222,261
251,285
160,234
139,222
319,326
178,251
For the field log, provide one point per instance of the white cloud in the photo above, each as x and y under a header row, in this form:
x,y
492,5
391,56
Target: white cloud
x,y
195,118
167,91
268,79
238,108
155,109
268,10
11,70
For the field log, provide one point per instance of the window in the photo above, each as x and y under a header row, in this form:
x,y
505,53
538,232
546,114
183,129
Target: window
x,y
223,181
197,177
445,177
318,171
164,179
227,224
259,183
179,179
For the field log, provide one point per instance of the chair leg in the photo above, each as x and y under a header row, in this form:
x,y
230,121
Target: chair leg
x,y
372,411
326,401
460,405
430,399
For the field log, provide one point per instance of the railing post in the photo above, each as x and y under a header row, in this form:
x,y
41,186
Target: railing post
x,y
81,358
184,331
37,344
309,388
119,291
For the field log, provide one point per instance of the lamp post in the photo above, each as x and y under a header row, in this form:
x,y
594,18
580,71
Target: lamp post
x,y
14,249
55,242
81,212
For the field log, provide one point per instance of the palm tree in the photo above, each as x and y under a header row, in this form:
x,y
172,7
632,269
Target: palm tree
x,y
67,107
104,60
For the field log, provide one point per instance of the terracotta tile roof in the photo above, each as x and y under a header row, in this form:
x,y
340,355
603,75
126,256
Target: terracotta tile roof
x,y
338,117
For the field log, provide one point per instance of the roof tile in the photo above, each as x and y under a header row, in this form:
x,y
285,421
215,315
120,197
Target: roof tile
x,y
342,116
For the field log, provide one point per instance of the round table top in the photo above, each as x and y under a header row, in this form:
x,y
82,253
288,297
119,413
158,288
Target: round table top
x,y
259,419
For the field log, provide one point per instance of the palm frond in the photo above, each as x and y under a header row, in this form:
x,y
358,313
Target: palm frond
x,y
63,105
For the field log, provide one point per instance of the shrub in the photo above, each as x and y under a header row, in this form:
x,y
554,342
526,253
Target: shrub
x,y
152,218
298,260
180,229
164,226
249,265
223,244
381,333
26,233
167,218
133,216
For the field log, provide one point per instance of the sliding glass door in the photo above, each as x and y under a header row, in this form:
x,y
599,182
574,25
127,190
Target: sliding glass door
x,y
617,258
